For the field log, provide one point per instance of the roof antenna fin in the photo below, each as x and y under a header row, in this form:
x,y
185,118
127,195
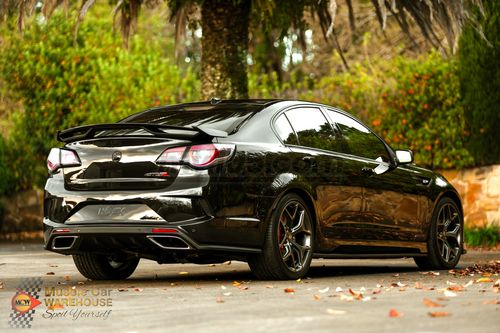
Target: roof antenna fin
x,y
215,100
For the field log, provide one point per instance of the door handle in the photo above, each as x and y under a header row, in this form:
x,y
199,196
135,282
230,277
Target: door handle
x,y
367,171
309,159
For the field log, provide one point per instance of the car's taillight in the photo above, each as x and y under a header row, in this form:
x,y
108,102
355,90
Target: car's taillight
x,y
60,158
198,156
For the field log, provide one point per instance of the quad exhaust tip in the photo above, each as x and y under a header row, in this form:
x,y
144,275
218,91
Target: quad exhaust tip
x,y
63,242
169,242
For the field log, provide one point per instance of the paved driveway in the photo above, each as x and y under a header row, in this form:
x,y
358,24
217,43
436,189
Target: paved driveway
x,y
385,296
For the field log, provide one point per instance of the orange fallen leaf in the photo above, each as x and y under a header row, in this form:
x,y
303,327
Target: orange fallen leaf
x,y
455,288
355,294
484,279
492,301
289,290
67,277
438,314
138,289
394,313
236,283
317,297
431,304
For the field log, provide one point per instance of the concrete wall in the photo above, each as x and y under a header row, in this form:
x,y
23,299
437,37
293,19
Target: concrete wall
x,y
478,187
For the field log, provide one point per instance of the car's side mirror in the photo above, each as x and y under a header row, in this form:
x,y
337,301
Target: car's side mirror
x,y
404,156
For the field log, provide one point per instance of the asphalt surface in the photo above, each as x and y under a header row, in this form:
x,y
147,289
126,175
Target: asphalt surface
x,y
226,298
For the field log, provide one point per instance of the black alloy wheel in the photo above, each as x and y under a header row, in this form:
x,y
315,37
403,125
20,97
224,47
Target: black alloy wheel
x,y
288,249
445,244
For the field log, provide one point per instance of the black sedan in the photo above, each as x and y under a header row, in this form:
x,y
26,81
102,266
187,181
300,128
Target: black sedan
x,y
275,183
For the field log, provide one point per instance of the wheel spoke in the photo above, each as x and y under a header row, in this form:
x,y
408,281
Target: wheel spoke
x,y
288,252
454,233
445,251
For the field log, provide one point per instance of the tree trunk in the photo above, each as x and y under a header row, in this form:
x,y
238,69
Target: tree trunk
x,y
224,48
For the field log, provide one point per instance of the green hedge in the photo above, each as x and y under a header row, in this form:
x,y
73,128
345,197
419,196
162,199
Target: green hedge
x,y
61,86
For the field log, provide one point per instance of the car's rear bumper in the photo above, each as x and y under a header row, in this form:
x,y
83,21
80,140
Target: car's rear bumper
x,y
145,240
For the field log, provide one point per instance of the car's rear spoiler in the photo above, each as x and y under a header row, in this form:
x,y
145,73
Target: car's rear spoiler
x,y
162,131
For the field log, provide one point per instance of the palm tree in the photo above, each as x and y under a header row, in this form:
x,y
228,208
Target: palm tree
x,y
225,25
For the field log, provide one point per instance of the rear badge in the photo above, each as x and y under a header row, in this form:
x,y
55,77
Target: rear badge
x,y
117,156
156,174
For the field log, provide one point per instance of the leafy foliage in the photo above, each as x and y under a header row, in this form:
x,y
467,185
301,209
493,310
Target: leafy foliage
x,y
62,86
411,103
479,64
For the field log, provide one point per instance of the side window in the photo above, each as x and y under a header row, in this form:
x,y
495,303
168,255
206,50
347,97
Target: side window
x,y
312,128
285,130
360,140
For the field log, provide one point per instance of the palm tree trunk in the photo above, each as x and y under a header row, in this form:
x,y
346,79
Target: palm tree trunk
x,y
224,48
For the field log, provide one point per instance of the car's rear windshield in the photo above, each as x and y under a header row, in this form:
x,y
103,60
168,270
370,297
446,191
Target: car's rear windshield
x,y
227,118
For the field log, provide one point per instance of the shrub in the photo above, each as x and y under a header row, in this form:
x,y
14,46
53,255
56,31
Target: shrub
x,y
479,70
61,85
423,112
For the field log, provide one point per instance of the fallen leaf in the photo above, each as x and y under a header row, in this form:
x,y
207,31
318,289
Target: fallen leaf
x,y
223,287
53,266
289,290
325,290
339,290
122,289
431,304
362,289
430,273
450,283
227,294
183,273
418,285
212,265
298,280
379,285
438,314
376,291
492,301
236,283
484,279
396,275
468,284
219,300
243,287
138,289
317,297
394,313
50,273
366,298
67,277
346,298
335,312
227,262
497,283
355,294
455,288
268,286
448,293
1,285
173,283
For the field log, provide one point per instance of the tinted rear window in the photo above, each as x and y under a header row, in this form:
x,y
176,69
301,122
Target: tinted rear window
x,y
227,119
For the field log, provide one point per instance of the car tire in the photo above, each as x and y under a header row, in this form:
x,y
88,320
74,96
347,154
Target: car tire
x,y
288,247
101,267
445,240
